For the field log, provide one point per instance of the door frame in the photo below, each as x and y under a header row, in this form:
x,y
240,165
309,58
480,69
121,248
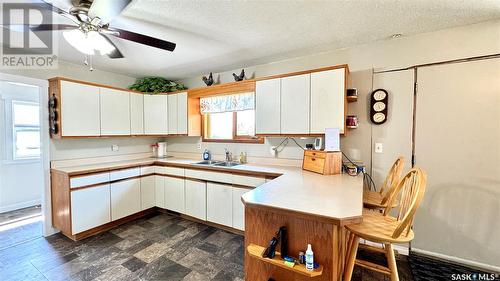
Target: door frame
x,y
45,145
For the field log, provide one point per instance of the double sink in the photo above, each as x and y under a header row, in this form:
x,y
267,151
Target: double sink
x,y
218,163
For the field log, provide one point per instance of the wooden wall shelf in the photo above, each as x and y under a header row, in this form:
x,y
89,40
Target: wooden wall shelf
x,y
256,252
352,98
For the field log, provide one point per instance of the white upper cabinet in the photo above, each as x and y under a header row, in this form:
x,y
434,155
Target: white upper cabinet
x,y
327,100
115,112
177,113
172,114
80,109
136,114
267,106
155,114
182,113
295,104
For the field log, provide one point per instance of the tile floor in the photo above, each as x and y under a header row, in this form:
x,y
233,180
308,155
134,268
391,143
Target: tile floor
x,y
158,247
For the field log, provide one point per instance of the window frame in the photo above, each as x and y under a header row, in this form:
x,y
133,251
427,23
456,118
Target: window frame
x,y
235,138
27,128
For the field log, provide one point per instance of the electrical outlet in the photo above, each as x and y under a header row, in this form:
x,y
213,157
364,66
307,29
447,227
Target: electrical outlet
x,y
198,146
379,147
115,147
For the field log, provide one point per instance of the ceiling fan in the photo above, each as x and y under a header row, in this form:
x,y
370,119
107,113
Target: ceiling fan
x,y
91,29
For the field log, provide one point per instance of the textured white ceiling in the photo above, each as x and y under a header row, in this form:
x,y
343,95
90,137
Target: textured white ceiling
x,y
219,35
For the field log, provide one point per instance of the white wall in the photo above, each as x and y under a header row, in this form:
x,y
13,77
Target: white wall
x,y
456,43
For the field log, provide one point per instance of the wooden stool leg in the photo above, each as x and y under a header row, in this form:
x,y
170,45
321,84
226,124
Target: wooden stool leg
x,y
351,258
349,244
391,261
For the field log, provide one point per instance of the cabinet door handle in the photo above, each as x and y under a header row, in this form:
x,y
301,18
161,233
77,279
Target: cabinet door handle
x,y
313,159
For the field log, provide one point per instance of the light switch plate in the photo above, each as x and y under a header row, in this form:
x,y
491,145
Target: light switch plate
x,y
379,147
198,146
115,147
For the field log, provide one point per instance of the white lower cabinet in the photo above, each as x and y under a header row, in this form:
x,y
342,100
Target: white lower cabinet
x,y
160,191
238,208
90,207
147,192
196,199
125,198
174,194
220,204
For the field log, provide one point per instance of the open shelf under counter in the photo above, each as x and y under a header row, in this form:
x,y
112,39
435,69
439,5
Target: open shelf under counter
x,y
256,251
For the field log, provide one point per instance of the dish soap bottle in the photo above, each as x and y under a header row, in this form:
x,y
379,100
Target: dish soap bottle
x,y
206,154
309,258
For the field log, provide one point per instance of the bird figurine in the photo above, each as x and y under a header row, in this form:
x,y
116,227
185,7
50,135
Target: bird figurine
x,y
239,77
209,81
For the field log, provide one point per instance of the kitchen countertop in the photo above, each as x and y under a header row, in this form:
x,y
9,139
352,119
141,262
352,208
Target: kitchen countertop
x,y
335,197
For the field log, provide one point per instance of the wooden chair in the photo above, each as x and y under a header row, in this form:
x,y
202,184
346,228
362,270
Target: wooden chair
x,y
378,199
385,229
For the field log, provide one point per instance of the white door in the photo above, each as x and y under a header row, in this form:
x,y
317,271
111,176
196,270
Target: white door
x,y
295,104
238,208
90,207
196,199
267,106
220,204
172,114
182,113
80,114
155,114
327,100
136,114
174,194
160,191
115,112
147,192
125,198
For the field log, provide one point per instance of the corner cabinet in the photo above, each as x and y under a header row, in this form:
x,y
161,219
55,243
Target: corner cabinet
x,y
304,103
178,114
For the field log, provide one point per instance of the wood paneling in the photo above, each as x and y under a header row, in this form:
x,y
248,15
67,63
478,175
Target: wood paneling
x,y
327,240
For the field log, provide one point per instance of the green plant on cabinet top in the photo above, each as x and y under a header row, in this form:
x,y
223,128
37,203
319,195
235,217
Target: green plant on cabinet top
x,y
156,85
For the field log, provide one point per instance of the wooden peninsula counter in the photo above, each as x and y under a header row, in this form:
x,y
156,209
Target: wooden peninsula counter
x,y
314,208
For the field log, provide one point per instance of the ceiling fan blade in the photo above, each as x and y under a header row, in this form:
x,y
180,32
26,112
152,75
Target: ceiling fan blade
x,y
107,10
116,54
142,39
49,27
40,27
50,7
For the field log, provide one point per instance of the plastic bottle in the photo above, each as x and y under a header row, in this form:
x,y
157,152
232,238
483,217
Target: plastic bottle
x,y
206,154
309,258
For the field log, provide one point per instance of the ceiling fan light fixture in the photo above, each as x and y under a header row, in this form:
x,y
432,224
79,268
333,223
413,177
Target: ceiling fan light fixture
x,y
88,42
78,40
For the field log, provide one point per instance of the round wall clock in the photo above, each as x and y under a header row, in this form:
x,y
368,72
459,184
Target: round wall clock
x,y
378,106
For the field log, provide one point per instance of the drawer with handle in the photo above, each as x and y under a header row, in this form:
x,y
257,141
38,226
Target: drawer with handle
x,y
323,162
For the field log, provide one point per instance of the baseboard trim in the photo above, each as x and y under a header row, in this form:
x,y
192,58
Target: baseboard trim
x,y
474,264
21,205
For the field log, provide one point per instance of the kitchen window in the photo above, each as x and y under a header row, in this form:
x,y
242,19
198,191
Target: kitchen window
x,y
229,118
26,130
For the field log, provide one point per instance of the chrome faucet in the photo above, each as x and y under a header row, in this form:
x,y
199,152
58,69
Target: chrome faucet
x,y
228,155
